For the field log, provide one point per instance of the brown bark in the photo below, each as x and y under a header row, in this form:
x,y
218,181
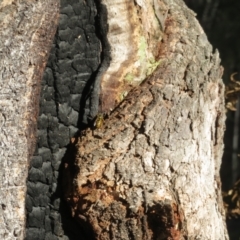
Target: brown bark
x,y
152,170
26,33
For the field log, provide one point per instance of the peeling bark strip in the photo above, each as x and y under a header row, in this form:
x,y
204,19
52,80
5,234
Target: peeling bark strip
x,y
152,171
131,33
26,32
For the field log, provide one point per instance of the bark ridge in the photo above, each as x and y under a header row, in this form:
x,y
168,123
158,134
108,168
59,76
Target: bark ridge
x,y
152,171
27,30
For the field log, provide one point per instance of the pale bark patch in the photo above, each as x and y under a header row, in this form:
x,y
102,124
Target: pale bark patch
x,y
27,30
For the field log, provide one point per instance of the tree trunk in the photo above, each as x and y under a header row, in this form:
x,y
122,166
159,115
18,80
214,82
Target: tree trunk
x,y
152,170
27,30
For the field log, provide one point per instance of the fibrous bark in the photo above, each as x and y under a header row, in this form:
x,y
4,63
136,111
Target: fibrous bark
x,y
27,30
152,170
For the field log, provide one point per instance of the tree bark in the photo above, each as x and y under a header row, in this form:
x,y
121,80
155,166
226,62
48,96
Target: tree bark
x,y
152,170
27,30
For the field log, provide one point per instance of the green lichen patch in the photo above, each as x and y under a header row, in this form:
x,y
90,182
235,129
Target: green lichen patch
x,y
152,66
129,77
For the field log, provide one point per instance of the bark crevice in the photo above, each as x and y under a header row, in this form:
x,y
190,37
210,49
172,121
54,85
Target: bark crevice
x,y
157,145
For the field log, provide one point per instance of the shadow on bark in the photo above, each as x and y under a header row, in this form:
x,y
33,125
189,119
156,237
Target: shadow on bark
x,y
94,220
73,229
161,218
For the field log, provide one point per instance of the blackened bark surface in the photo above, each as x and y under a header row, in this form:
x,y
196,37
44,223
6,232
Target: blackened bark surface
x,y
27,30
64,106
152,171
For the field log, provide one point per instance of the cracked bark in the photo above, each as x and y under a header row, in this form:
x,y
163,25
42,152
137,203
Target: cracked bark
x,y
152,170
27,31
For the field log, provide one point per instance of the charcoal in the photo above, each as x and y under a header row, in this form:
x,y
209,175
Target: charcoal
x,y
36,161
35,234
36,218
64,107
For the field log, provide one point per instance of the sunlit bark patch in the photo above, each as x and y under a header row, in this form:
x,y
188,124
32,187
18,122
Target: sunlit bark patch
x,y
134,35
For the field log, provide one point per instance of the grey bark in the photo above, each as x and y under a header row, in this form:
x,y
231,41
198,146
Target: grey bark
x,y
152,170
169,129
26,33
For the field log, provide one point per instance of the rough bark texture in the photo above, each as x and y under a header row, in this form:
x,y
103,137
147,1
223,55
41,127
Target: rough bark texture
x,y
27,30
152,170
221,22
64,107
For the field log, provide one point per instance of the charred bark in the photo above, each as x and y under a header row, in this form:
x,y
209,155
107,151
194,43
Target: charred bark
x,y
152,170
27,31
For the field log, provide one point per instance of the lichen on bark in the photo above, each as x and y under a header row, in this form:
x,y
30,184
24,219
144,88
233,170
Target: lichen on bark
x,y
152,171
131,34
